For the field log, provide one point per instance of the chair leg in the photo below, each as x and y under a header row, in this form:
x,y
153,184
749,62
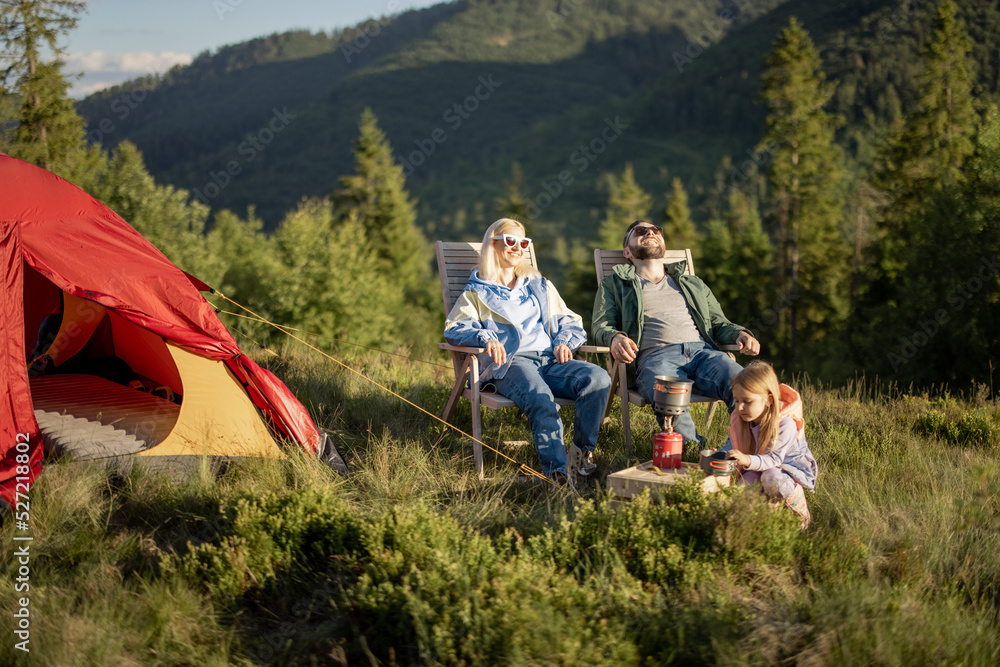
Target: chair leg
x,y
613,372
457,390
709,414
626,418
477,423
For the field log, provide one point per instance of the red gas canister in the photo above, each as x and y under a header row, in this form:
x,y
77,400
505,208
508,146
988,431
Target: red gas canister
x,y
667,448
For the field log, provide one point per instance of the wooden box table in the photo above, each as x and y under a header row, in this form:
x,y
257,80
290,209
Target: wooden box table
x,y
630,482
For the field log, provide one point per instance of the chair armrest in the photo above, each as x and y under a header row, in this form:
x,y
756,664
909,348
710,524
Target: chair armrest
x,y
597,349
735,348
461,348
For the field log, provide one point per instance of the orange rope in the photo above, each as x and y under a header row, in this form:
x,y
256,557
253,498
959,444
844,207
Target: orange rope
x,y
337,340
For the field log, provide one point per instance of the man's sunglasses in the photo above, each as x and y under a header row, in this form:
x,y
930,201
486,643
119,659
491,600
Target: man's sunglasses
x,y
639,232
512,241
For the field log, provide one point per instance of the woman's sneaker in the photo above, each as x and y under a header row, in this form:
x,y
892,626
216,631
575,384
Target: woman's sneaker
x,y
581,462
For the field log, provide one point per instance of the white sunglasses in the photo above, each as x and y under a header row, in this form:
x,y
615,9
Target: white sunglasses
x,y
511,241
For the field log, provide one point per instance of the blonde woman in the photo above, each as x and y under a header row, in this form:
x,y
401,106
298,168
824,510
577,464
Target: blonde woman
x,y
529,336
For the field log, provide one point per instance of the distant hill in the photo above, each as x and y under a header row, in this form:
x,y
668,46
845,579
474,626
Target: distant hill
x,y
462,89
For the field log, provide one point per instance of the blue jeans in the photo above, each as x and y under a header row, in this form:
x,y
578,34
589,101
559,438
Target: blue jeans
x,y
711,371
533,381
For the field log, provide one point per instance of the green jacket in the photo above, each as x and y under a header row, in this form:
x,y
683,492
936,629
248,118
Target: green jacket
x,y
618,308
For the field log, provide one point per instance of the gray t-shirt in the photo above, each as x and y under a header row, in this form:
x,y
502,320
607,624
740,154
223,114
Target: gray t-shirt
x,y
666,318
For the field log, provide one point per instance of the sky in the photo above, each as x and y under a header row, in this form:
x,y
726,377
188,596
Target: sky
x,y
116,40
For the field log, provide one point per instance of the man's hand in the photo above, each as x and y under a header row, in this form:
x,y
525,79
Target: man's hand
x,y
623,348
747,343
496,352
562,353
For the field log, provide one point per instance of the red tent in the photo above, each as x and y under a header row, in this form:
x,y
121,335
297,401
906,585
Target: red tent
x,y
60,246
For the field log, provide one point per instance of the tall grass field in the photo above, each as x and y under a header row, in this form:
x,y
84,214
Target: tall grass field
x,y
414,560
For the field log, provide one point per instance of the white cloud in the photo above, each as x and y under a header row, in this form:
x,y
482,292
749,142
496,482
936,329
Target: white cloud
x,y
145,62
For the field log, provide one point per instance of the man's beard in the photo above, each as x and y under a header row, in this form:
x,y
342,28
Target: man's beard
x,y
652,251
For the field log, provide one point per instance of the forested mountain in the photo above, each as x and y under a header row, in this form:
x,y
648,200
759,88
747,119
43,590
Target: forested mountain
x,y
547,65
681,77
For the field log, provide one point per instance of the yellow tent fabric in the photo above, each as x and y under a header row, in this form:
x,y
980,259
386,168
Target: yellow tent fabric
x,y
216,417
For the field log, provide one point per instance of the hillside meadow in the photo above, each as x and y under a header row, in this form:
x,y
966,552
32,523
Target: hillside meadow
x,y
413,560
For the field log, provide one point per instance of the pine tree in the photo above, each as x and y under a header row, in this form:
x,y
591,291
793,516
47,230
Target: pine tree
x,y
678,228
921,178
947,316
738,266
376,197
48,132
805,179
929,149
627,202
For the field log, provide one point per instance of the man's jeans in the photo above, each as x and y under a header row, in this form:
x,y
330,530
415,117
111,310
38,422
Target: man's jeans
x,y
532,382
711,371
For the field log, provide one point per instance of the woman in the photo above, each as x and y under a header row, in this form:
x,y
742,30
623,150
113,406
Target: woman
x,y
529,336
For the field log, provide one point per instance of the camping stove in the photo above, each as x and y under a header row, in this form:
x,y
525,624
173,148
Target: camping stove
x,y
671,398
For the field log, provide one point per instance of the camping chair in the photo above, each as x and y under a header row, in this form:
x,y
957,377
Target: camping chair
x,y
455,263
604,262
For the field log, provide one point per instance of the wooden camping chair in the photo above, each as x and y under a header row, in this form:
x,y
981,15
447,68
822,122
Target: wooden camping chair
x,y
604,262
456,262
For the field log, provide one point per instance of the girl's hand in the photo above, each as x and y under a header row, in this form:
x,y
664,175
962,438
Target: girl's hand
x,y
496,352
741,458
562,353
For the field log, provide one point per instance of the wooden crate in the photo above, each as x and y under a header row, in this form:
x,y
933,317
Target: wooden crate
x,y
628,483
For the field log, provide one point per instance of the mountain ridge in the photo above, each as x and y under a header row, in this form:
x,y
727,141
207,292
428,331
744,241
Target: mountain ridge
x,y
684,84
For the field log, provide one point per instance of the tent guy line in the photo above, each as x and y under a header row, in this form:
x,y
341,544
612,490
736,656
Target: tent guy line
x,y
331,338
523,467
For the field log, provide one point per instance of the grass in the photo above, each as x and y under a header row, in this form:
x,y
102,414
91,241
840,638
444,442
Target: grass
x,y
414,560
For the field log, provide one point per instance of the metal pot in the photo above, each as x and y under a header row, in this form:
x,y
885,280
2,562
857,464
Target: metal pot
x,y
716,462
672,395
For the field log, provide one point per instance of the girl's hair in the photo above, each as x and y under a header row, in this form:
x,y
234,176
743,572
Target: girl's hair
x,y
759,378
489,264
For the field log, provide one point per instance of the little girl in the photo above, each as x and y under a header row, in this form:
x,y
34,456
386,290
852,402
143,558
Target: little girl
x,y
767,438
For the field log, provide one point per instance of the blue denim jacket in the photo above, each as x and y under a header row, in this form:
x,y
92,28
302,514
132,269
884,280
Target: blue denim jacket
x,y
482,314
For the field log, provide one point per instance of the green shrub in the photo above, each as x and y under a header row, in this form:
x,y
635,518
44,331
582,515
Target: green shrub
x,y
972,429
431,592
669,543
259,536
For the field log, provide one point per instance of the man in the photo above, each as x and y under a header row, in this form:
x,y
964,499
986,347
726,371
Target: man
x,y
662,322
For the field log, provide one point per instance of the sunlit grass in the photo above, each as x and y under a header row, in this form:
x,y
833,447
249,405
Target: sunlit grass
x,y
413,559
